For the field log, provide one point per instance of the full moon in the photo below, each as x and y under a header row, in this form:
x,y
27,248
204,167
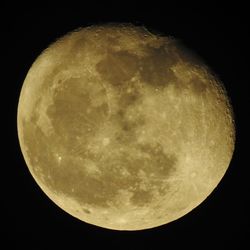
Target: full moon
x,y
123,128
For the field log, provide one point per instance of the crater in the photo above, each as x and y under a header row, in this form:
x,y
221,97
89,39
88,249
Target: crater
x,y
86,211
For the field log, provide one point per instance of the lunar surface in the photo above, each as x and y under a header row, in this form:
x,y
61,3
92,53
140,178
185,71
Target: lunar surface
x,y
124,129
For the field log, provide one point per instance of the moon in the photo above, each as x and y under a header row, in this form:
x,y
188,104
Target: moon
x,y
124,129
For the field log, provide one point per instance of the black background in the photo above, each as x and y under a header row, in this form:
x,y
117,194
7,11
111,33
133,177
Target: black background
x,y
217,33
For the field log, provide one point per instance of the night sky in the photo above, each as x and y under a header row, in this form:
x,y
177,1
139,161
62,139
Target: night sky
x,y
218,34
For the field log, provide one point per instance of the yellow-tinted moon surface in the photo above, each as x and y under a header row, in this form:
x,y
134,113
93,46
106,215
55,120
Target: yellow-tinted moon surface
x,y
124,129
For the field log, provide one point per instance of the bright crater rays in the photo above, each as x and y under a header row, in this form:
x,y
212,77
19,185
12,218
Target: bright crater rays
x,y
124,129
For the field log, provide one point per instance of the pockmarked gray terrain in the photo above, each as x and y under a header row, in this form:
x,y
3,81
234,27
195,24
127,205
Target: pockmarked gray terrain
x,y
124,129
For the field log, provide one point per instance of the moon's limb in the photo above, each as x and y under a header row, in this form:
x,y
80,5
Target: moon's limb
x,y
124,129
